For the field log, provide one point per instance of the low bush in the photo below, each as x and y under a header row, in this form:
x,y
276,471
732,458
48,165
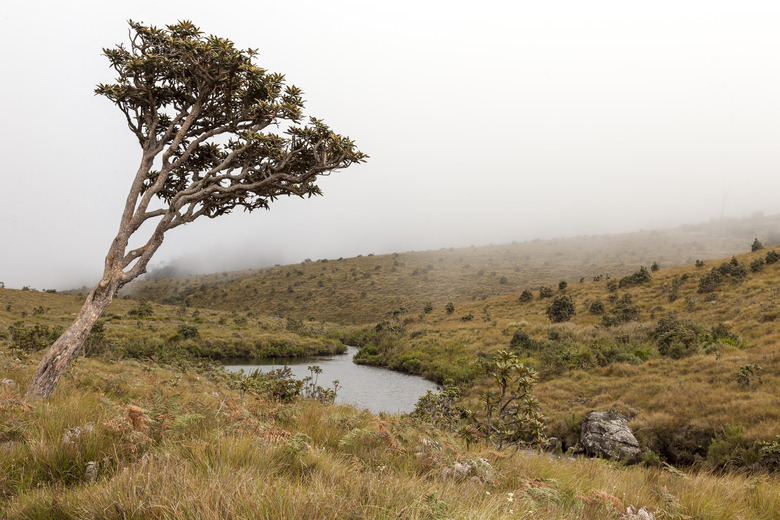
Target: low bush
x,y
596,308
34,338
561,309
677,339
639,277
526,296
546,292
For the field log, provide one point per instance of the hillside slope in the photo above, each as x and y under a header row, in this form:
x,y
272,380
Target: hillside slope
x,y
363,289
688,353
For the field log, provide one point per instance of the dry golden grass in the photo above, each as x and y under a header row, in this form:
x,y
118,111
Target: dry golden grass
x,y
205,451
364,289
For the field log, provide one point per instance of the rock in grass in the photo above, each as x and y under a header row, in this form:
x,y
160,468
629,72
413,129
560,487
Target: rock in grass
x,y
606,434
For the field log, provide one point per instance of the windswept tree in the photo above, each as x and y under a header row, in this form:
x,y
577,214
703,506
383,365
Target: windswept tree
x,y
217,132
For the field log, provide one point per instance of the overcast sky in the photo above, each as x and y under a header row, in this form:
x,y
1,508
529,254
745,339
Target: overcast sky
x,y
485,122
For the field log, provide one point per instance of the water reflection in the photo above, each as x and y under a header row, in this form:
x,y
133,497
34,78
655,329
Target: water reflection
x,y
374,388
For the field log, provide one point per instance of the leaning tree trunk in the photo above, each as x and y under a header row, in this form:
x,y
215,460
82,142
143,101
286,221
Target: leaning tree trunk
x,y
69,344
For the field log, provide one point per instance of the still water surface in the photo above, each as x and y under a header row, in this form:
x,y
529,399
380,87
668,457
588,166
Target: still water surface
x,y
374,388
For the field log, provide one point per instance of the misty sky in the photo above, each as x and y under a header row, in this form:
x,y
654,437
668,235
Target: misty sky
x,y
485,122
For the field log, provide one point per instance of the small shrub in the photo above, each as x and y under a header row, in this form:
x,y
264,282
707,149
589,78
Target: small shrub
x,y
676,339
503,280
710,282
526,296
769,455
637,278
546,292
612,286
757,265
441,409
699,264
562,285
730,448
655,267
37,337
623,312
757,245
597,308
748,374
428,307
143,310
188,331
511,414
772,257
561,309
523,342
450,308
733,269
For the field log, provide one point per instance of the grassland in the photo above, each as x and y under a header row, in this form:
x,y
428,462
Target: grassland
x,y
679,402
363,289
146,426
133,439
30,321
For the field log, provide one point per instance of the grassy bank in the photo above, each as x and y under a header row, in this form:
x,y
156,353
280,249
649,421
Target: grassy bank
x,y
132,439
30,321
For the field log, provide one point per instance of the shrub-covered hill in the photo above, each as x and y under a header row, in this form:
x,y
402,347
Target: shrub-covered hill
x,y
30,321
691,354
363,289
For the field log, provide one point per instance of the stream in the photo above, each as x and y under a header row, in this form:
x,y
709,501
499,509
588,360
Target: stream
x,y
374,388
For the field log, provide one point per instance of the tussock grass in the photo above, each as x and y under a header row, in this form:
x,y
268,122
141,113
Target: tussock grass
x,y
210,453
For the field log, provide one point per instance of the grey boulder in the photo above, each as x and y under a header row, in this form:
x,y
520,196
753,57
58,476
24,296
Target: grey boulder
x,y
606,434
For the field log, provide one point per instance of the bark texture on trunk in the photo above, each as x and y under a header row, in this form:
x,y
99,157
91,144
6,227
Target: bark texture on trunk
x,y
69,345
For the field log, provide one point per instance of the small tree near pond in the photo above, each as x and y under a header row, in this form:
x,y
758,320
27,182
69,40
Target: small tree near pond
x,y
200,109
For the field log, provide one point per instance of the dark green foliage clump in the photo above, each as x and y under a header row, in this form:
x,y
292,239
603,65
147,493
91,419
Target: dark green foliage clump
x,y
522,342
637,278
769,455
710,282
749,374
732,270
441,409
731,449
279,384
677,339
450,308
31,339
546,292
143,310
623,312
562,285
561,309
757,265
597,308
757,245
188,331
655,267
526,296
772,257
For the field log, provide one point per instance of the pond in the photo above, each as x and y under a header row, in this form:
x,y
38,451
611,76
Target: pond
x,y
374,388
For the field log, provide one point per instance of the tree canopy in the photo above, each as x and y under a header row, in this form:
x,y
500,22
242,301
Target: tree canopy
x,y
217,132
201,109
